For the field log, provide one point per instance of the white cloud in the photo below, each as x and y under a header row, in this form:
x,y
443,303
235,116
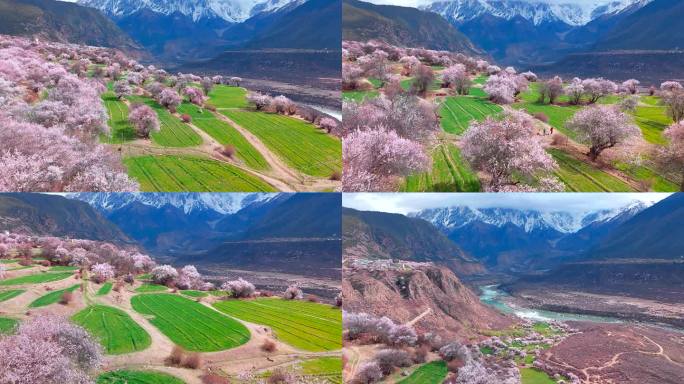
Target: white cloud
x,y
548,202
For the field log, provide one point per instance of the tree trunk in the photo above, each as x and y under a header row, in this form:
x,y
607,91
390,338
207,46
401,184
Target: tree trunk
x,y
594,153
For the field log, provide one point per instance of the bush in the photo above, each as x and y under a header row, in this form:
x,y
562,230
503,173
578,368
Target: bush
x,y
558,139
388,359
66,298
268,346
176,356
279,376
212,378
312,298
368,373
420,354
186,118
228,151
541,116
192,361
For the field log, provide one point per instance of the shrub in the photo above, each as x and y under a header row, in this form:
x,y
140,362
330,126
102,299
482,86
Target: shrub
x,y
212,378
312,298
192,361
293,292
336,176
420,354
268,346
541,116
368,373
176,356
66,298
388,359
239,288
228,151
186,118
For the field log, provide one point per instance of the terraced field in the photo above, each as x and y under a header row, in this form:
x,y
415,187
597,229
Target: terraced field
x,y
37,278
449,173
137,377
225,134
223,96
114,328
105,289
581,176
189,324
301,145
360,95
457,112
173,132
193,293
121,129
324,368
642,173
63,268
169,173
10,294
52,297
430,373
534,376
652,120
304,325
7,325
149,287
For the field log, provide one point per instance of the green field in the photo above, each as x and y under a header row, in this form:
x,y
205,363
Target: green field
x,y
327,368
304,325
225,134
104,289
114,328
430,373
189,324
169,173
137,377
37,278
478,92
63,268
449,173
52,297
579,176
302,145
360,95
534,376
7,325
642,173
193,293
8,261
117,110
458,112
652,120
406,84
223,96
149,287
558,116
173,132
481,79
10,294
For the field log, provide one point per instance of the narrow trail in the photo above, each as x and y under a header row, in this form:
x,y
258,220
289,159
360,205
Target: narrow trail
x,y
419,317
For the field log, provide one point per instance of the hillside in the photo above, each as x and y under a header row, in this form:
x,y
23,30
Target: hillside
x,y
41,214
402,26
63,22
377,235
402,295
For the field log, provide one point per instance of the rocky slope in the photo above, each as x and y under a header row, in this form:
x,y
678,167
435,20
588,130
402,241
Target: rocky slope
x,y
402,294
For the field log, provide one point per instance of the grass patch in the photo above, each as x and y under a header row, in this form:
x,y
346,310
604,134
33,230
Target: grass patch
x,y
431,373
121,129
8,261
224,96
328,368
193,293
458,112
170,173
449,173
173,132
642,173
580,176
149,287
10,294
189,324
359,96
105,289
52,297
302,145
63,268
225,134
114,328
304,325
7,325
652,120
481,79
37,278
137,377
534,376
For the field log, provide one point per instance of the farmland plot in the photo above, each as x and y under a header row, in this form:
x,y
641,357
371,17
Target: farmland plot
x,y
224,96
449,173
324,368
114,328
458,112
7,325
304,325
117,110
189,324
652,120
149,287
37,278
52,297
10,294
581,176
170,173
104,289
137,377
225,134
300,144
430,373
173,132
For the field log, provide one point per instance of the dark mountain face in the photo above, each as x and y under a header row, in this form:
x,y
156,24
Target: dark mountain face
x,y
378,235
41,214
402,26
63,22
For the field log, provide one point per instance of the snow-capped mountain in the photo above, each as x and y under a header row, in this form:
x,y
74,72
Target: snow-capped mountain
x,y
222,203
234,11
574,13
449,219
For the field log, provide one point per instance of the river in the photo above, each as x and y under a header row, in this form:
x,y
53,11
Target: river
x,y
336,113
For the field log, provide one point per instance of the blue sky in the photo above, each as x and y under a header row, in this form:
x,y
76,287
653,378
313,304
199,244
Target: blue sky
x,y
548,202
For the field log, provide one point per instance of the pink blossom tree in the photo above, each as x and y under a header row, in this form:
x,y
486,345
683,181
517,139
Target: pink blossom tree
x,y
506,147
293,292
457,77
189,278
328,124
164,274
102,272
122,89
631,85
671,157
207,85
368,373
575,91
423,77
552,89
239,288
501,89
283,105
602,127
170,99
259,100
673,98
195,96
144,119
